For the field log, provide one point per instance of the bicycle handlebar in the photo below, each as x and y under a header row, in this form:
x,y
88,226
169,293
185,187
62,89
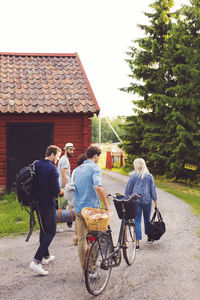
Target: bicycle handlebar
x,y
116,195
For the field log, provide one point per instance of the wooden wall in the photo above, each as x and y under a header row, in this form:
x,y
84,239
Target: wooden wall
x,y
74,128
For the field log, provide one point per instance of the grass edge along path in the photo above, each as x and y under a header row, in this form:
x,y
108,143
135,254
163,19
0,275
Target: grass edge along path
x,y
188,193
15,221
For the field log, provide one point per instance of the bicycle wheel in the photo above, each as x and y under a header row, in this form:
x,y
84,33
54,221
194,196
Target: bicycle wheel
x,y
129,240
98,270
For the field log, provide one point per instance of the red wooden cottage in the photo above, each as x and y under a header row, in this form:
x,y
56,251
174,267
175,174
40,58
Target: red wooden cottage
x,y
44,99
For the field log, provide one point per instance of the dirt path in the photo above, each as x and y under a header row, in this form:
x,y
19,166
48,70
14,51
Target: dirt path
x,y
168,269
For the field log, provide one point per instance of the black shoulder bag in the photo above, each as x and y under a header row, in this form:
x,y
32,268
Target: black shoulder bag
x,y
156,228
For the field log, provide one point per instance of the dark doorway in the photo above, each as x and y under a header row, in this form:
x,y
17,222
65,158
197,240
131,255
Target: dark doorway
x,y
26,142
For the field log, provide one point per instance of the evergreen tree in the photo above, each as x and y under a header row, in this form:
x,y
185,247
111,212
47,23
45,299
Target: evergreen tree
x,y
147,131
183,57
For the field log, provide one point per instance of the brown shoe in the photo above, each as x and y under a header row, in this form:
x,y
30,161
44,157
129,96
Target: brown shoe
x,y
75,240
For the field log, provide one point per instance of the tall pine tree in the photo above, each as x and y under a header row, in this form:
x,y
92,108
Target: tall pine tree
x,y
146,133
183,58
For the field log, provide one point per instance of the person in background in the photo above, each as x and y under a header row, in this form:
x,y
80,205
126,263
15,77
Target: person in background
x,y
47,189
64,170
87,179
141,182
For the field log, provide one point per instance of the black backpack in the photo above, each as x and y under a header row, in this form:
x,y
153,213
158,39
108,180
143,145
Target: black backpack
x,y
25,184
156,228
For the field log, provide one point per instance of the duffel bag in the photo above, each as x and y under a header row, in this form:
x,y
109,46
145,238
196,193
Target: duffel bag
x,y
156,227
65,215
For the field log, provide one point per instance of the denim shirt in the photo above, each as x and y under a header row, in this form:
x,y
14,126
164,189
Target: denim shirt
x,y
86,177
145,187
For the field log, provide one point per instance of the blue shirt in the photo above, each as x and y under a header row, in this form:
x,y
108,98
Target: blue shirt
x,y
86,177
144,187
47,186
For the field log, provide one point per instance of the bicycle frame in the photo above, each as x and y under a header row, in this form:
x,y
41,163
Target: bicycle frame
x,y
112,260
102,255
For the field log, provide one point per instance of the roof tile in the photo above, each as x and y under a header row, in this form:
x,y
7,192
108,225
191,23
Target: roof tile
x,y
45,83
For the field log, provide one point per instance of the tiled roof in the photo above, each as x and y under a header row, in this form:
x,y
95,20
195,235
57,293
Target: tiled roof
x,y
44,83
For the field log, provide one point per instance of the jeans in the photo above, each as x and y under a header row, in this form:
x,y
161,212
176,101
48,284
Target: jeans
x,y
47,221
82,242
146,209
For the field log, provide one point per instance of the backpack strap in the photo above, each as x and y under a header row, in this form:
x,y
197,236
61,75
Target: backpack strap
x,y
59,215
32,222
39,218
71,212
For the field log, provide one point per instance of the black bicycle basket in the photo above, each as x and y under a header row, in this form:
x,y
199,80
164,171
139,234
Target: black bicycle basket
x,y
130,205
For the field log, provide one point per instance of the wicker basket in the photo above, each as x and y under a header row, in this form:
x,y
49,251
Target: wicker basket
x,y
96,219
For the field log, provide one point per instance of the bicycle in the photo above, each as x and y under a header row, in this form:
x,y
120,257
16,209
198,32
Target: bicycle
x,y
102,255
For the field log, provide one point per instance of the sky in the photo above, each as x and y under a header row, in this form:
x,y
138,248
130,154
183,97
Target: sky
x,y
101,32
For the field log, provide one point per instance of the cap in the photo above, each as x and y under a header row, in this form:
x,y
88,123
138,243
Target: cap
x,y
69,145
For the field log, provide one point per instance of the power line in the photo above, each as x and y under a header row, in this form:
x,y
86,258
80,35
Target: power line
x,y
110,127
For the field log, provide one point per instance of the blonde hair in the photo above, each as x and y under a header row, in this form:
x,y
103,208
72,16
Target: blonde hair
x,y
140,167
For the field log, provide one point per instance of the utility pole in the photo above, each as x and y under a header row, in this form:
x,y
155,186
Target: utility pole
x,y
99,129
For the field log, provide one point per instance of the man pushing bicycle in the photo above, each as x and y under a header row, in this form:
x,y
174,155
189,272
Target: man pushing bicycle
x,y
87,179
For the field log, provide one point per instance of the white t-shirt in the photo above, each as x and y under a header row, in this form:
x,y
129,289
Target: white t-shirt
x,y
64,164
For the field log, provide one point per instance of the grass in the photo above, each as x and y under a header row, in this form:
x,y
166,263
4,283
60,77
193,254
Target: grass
x,y
13,219
188,193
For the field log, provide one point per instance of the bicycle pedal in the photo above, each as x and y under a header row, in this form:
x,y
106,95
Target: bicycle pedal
x,y
123,246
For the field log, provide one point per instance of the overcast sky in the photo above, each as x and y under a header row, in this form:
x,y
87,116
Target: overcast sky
x,y
100,31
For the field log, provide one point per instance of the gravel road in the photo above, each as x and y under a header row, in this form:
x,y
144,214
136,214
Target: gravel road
x,y
168,269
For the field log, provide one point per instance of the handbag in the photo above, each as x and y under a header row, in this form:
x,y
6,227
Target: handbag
x,y
69,194
156,228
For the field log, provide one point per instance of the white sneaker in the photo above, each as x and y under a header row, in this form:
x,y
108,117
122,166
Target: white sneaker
x,y
59,229
45,261
38,269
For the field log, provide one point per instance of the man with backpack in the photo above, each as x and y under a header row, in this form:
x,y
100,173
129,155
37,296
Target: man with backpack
x,y
47,189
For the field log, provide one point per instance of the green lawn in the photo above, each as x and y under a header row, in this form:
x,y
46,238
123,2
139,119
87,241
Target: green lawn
x,y
13,219
188,193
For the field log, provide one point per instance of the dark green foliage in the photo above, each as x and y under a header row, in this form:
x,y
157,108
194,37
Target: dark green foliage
x,y
147,64
165,69
183,56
